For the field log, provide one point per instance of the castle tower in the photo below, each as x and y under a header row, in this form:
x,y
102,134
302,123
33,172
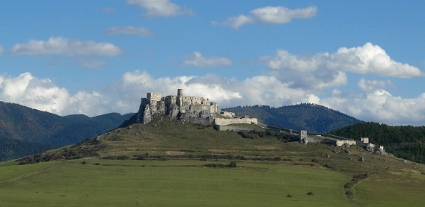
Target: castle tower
x,y
179,97
303,136
180,92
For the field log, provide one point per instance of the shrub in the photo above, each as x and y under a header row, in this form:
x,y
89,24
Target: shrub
x,y
118,157
215,165
83,162
232,164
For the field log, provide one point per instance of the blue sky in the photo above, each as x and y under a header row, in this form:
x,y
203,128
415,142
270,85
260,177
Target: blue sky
x,y
362,58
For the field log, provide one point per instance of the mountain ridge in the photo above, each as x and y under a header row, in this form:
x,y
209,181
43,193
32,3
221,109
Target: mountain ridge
x,y
24,126
311,117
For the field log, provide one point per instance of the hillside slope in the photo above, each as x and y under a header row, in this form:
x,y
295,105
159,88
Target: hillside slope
x,y
407,142
165,143
310,117
25,125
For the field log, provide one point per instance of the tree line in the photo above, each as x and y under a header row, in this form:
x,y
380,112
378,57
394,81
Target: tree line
x,y
407,142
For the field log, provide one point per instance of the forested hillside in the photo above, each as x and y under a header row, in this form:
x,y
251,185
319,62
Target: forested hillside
x,y
310,117
407,142
12,148
24,126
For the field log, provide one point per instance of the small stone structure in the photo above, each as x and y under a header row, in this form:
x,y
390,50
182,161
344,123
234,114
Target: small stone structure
x,y
227,114
303,136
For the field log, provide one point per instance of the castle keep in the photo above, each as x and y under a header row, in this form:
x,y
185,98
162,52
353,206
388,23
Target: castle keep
x,y
189,108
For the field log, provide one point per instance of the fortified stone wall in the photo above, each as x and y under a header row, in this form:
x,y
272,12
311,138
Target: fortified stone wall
x,y
304,139
342,142
222,121
234,128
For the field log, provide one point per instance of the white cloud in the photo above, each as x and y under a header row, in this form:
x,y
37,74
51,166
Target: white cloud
x,y
36,93
368,59
130,31
198,60
62,46
269,15
373,85
380,106
160,8
307,73
124,95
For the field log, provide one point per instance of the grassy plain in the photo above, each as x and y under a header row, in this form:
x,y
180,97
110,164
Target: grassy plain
x,y
172,183
406,189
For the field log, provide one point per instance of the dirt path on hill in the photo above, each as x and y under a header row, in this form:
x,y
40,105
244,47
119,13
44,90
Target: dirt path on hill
x,y
28,175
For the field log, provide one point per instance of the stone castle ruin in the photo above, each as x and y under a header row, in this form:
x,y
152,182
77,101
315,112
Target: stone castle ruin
x,y
193,109
196,110
364,142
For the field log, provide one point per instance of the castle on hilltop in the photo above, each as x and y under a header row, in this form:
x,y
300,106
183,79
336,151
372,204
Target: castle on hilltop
x,y
193,109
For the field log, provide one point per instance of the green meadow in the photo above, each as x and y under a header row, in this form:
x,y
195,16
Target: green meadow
x,y
169,183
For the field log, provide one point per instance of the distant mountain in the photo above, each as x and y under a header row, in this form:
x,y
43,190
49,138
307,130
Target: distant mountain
x,y
310,117
26,126
407,142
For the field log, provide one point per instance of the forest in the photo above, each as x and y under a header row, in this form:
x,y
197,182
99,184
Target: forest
x,y
407,142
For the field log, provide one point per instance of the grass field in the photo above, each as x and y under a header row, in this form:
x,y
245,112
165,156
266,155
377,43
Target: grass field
x,y
169,183
407,189
269,172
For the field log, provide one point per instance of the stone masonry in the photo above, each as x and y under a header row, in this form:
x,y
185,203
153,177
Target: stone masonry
x,y
188,108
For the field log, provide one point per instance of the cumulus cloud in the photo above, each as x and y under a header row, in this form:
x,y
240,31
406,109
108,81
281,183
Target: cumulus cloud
x,y
198,60
371,59
380,106
62,46
304,72
160,8
129,30
268,15
373,85
36,93
367,59
124,95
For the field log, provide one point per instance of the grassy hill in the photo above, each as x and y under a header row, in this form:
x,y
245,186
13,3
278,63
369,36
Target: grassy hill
x,y
24,130
310,117
407,142
175,163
